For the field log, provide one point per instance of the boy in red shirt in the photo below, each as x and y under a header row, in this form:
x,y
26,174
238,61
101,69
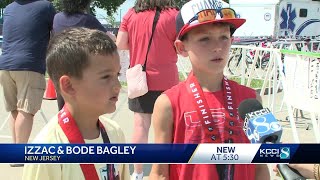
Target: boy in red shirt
x,y
203,109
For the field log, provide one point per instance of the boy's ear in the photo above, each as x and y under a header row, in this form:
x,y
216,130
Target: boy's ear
x,y
66,86
181,48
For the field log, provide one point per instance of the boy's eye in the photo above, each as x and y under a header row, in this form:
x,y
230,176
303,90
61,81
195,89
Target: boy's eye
x,y
114,75
106,77
204,39
225,37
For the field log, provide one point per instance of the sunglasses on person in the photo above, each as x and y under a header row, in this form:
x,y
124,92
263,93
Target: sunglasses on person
x,y
211,14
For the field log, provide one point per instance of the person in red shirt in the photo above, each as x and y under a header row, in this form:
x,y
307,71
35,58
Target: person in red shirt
x,y
161,69
203,108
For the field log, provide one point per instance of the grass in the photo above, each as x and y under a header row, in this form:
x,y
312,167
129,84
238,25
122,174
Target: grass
x,y
255,83
181,77
123,84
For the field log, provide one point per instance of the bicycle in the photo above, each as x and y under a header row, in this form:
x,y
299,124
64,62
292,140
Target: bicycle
x,y
236,56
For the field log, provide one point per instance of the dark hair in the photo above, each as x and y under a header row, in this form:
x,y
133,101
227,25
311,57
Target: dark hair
x,y
74,6
143,5
68,52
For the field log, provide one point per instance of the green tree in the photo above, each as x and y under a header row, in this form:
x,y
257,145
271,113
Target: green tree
x,y
111,20
57,4
109,5
4,3
179,3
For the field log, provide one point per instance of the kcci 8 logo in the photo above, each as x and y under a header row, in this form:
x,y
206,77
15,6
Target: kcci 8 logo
x,y
262,127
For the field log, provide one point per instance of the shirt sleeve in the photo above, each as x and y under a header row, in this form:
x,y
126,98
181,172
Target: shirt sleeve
x,y
125,20
42,171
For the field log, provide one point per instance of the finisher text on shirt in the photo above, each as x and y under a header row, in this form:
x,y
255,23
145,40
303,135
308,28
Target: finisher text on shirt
x,y
228,93
200,103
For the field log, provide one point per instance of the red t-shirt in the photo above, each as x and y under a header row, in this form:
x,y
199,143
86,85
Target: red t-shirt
x,y
162,71
186,118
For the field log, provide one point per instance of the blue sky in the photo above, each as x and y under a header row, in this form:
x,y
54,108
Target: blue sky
x,y
101,14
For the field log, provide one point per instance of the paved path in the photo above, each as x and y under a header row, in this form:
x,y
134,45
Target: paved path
x,y
125,119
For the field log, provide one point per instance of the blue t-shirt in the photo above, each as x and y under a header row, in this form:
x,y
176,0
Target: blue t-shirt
x,y
26,33
63,21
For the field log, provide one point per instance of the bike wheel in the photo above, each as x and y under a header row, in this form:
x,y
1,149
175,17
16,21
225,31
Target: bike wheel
x,y
233,65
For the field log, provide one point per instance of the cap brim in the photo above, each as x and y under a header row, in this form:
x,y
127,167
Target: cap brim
x,y
237,22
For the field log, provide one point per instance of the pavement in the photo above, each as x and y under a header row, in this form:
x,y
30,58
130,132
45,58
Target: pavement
x,y
125,119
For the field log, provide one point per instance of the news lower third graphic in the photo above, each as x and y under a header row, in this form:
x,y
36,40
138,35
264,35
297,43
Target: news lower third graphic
x,y
159,153
32,152
282,153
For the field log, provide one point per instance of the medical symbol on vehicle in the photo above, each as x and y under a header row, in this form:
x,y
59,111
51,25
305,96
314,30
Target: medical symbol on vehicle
x,y
288,16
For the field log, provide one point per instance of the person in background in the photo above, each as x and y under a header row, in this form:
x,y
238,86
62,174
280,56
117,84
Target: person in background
x,y
162,73
203,108
309,171
75,14
26,32
84,66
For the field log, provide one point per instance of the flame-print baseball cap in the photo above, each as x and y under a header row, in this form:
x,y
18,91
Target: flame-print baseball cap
x,y
199,12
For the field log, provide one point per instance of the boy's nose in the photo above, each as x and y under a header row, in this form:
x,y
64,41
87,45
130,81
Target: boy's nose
x,y
216,48
216,45
117,87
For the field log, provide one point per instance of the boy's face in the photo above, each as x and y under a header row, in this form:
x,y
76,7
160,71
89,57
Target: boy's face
x,y
99,88
207,47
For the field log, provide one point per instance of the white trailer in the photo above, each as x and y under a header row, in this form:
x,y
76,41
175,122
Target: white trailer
x,y
278,18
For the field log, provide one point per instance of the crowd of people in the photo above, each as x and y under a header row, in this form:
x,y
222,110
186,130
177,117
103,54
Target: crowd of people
x,y
82,60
